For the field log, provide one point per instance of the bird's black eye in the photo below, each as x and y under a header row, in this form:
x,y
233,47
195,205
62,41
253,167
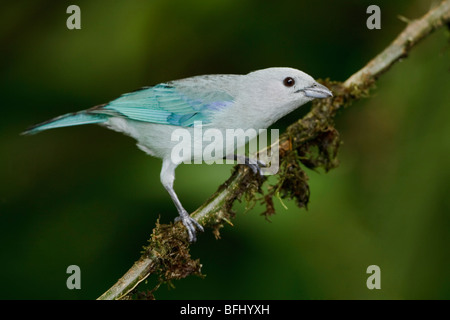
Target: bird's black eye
x,y
288,82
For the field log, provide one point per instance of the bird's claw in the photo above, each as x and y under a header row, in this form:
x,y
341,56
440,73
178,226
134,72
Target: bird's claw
x,y
191,224
255,166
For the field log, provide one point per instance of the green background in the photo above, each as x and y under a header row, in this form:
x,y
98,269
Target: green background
x,y
87,196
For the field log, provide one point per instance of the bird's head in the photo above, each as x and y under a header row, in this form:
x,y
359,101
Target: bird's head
x,y
279,91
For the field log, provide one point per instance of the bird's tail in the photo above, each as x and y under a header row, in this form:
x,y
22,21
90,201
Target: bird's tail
x,y
70,119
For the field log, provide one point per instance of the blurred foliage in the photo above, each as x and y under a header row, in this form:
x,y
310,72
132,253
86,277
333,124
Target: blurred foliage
x,y
87,196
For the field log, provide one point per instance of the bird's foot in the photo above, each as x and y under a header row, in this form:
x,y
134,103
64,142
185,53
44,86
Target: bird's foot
x,y
255,166
191,224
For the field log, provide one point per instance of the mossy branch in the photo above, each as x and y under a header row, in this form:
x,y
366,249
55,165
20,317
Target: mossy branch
x,y
312,141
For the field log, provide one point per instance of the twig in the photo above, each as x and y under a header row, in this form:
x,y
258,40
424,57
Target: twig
x,y
217,208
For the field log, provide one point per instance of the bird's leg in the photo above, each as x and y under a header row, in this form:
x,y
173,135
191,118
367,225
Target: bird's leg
x,y
190,223
167,178
253,164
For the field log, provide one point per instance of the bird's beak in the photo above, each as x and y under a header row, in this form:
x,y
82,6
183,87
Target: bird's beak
x,y
317,91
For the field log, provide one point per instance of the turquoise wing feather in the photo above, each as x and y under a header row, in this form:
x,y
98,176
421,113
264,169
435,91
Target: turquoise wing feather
x,y
165,104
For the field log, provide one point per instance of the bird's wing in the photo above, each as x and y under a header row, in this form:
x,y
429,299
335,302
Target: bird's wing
x,y
165,104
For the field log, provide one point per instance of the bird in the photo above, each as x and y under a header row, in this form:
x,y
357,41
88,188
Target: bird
x,y
150,114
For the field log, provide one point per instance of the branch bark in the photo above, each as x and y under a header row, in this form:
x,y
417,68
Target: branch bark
x,y
166,242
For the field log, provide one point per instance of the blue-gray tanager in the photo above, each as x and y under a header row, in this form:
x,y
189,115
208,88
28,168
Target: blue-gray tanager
x,y
151,114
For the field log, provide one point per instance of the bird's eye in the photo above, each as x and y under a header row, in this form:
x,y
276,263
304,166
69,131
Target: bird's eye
x,y
288,82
